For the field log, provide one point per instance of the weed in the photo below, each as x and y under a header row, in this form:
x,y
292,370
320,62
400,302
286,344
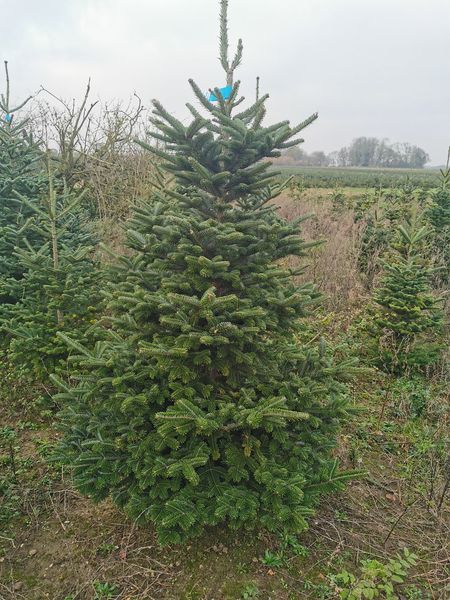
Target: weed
x,y
290,543
341,515
104,591
242,567
8,442
10,470
376,580
322,591
250,591
411,397
414,593
106,548
428,464
27,425
272,559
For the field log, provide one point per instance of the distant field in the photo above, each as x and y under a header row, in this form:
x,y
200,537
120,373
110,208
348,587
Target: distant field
x,y
361,177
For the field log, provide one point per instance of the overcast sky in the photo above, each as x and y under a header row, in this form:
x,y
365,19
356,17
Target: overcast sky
x,y
370,67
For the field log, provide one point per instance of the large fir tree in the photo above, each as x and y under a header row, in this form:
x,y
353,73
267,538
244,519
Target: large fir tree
x,y
200,404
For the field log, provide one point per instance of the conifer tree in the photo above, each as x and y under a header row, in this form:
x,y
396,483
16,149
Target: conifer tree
x,y
375,235
438,215
406,315
59,288
22,171
200,404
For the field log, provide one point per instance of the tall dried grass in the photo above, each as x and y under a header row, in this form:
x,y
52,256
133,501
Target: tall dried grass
x,y
332,266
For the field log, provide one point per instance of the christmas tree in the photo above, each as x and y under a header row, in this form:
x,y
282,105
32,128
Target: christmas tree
x,y
59,287
406,315
202,403
21,171
438,215
374,238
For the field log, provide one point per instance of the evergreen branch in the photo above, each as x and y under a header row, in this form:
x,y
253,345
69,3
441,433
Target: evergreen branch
x,y
31,205
234,93
200,169
275,127
286,414
292,143
304,124
196,125
73,344
220,99
238,56
335,481
60,383
201,97
69,208
241,99
176,124
252,109
159,351
162,138
195,113
164,155
259,118
224,35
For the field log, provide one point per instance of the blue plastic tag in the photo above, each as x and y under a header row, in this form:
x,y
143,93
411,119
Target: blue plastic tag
x,y
225,91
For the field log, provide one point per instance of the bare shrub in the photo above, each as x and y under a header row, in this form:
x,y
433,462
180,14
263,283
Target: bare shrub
x,y
94,149
118,180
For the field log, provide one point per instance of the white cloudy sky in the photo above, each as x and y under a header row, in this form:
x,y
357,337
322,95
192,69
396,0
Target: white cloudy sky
x,y
370,67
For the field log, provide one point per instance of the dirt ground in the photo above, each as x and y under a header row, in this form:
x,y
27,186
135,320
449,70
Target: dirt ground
x,y
64,547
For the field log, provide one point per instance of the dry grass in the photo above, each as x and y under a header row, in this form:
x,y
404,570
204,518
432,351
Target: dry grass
x,y
332,266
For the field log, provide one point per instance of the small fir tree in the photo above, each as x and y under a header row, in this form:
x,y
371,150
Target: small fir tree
x,y
438,215
59,286
200,404
380,214
406,315
374,240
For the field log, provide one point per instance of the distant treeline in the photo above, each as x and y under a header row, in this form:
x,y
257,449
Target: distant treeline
x,y
362,152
